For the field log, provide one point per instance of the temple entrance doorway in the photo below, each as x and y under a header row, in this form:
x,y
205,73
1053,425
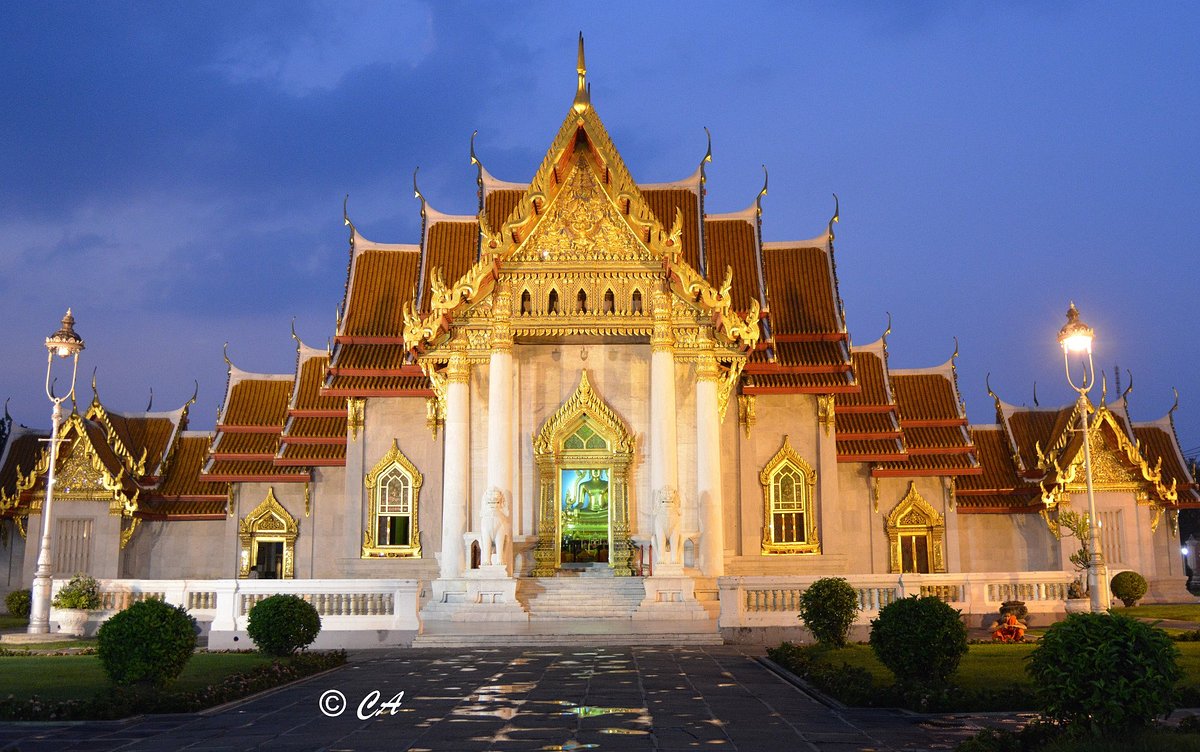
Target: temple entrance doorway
x,y
583,454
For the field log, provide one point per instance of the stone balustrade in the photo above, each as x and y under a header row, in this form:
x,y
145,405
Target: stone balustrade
x,y
775,600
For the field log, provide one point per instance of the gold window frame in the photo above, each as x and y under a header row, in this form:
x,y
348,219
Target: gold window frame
x,y
268,523
784,458
393,458
915,516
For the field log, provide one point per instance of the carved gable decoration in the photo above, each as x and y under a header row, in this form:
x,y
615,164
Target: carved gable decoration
x,y
582,224
583,404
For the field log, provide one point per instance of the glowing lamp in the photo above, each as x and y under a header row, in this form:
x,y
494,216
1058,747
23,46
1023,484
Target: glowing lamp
x,y
65,342
1075,336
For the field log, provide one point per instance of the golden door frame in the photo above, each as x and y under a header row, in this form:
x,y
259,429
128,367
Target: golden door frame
x,y
268,523
551,457
913,516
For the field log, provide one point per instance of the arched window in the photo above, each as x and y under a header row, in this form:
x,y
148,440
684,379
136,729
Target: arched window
x,y
526,303
552,303
581,300
635,305
789,514
916,535
393,488
609,302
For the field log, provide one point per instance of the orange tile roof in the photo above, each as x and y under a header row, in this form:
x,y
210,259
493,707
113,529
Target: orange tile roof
x,y
873,450
381,386
998,488
817,383
1031,427
664,202
732,243
307,394
800,284
330,428
256,402
370,357
868,368
312,454
936,438
453,247
858,424
929,464
382,281
184,492
1157,441
499,204
21,452
252,470
138,433
240,443
811,354
925,397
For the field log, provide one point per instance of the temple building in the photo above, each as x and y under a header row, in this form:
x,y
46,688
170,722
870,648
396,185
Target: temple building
x,y
593,400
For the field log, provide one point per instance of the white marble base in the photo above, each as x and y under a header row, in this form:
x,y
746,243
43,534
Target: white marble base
x,y
670,597
485,594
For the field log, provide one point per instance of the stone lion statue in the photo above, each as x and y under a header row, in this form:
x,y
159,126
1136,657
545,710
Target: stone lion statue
x,y
497,528
667,540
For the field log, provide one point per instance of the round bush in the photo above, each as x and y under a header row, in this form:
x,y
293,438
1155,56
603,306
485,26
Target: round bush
x,y
921,640
1104,673
148,642
828,608
283,624
19,603
1129,587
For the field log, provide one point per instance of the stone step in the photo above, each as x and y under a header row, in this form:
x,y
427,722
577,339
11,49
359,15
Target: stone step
x,y
568,640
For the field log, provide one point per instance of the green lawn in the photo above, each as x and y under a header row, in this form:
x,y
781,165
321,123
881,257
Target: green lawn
x,y
61,645
1179,611
81,677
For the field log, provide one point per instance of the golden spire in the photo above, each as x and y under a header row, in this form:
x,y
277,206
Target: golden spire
x,y
583,98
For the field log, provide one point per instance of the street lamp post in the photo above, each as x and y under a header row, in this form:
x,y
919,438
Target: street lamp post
x,y
1076,337
64,343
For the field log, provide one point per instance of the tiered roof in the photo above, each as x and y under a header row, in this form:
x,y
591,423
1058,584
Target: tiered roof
x,y
1029,455
146,463
249,428
315,431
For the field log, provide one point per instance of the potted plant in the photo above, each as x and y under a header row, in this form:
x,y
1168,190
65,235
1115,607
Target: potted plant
x,y
74,600
1077,600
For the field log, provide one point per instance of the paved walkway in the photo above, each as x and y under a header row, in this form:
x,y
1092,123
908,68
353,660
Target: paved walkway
x,y
640,698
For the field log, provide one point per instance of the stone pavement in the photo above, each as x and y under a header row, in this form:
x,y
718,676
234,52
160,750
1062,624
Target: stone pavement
x,y
504,698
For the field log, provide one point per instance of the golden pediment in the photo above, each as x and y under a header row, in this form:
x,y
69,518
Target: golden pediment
x,y
582,225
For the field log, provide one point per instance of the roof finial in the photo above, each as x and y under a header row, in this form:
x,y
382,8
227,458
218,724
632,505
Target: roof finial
x,y
150,403
294,335
837,215
1128,389
1103,388
583,94
763,192
475,161
1170,412
417,191
95,393
1035,399
228,362
195,394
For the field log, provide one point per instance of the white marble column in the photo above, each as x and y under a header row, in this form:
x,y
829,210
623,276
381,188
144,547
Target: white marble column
x,y
500,416
708,469
456,474
664,461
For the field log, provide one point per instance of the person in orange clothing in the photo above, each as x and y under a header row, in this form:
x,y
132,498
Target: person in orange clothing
x,y
1009,629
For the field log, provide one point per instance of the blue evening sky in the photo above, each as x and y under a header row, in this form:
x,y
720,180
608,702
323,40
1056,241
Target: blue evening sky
x,y
175,171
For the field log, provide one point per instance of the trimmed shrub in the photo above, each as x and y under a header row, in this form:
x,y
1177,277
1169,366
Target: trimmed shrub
x,y
81,591
1104,673
283,624
19,603
828,608
149,642
920,640
1129,587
